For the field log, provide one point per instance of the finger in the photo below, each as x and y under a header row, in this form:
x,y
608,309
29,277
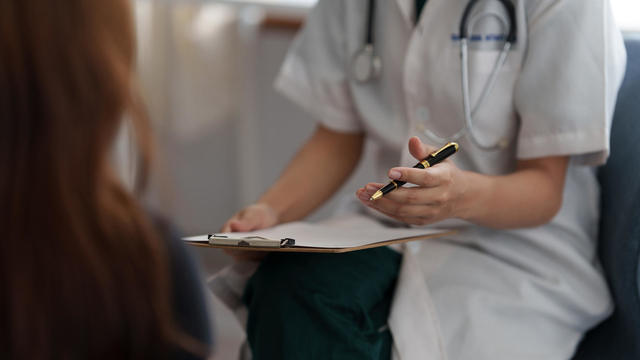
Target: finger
x,y
400,209
410,214
418,196
369,189
236,226
405,202
247,224
253,220
226,228
362,194
375,205
381,203
420,221
418,149
429,177
245,221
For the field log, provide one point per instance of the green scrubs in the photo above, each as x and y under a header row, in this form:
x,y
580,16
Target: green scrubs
x,y
322,306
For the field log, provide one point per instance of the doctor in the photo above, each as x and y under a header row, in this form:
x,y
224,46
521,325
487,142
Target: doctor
x,y
527,88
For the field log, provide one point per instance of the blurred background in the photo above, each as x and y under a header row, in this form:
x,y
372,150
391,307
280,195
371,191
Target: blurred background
x,y
223,135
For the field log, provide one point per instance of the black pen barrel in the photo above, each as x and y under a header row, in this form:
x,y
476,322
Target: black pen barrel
x,y
441,155
392,185
430,161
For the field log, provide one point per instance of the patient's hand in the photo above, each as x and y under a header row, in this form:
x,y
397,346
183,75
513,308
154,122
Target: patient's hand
x,y
254,217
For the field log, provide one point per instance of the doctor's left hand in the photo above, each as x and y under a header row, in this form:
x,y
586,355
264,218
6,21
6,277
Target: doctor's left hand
x,y
441,191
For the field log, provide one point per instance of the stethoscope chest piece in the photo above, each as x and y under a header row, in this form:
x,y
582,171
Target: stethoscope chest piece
x,y
366,65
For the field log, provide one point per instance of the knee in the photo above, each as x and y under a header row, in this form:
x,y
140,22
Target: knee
x,y
276,276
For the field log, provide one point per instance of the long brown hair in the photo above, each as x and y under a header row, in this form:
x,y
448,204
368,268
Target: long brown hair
x,y
82,272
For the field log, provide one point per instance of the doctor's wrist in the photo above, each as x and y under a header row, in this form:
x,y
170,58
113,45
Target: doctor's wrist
x,y
268,211
472,203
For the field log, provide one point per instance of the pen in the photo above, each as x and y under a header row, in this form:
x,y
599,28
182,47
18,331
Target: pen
x,y
431,160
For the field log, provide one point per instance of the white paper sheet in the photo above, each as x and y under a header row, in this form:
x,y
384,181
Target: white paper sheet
x,y
347,232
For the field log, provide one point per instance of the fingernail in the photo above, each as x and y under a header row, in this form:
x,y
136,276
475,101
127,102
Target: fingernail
x,y
395,174
371,188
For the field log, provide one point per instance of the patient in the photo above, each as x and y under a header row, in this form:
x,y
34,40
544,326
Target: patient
x,y
84,272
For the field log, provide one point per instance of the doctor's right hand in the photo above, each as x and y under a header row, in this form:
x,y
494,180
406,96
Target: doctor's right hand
x,y
253,217
441,191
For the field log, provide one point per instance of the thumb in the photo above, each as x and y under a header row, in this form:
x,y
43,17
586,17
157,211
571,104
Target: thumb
x,y
226,227
247,220
240,225
418,149
236,224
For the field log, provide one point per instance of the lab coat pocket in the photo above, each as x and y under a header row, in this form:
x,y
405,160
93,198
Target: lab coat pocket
x,y
493,118
484,61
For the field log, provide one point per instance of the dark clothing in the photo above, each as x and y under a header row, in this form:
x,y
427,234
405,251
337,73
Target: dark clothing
x,y
419,6
322,306
188,294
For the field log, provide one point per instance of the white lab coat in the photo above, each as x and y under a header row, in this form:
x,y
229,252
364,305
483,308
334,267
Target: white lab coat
x,y
482,294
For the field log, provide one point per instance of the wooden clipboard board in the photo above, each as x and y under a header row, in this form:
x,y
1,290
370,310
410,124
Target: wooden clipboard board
x,y
294,248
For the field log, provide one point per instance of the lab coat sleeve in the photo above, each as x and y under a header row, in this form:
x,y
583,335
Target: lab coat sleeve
x,y
566,92
314,73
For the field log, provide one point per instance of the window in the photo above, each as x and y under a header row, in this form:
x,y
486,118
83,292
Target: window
x,y
627,14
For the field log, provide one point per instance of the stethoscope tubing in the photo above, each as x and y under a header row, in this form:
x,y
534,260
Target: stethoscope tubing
x,y
371,13
469,113
466,98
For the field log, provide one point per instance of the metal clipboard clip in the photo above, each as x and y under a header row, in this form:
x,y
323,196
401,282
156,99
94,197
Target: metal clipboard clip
x,y
250,241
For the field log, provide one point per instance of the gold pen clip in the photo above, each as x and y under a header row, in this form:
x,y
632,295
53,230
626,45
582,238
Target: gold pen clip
x,y
444,148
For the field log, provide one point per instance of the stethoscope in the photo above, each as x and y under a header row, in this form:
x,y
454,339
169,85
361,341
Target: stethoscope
x,y
367,65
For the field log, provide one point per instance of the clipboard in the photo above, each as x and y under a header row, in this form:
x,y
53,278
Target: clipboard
x,y
249,241
339,236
